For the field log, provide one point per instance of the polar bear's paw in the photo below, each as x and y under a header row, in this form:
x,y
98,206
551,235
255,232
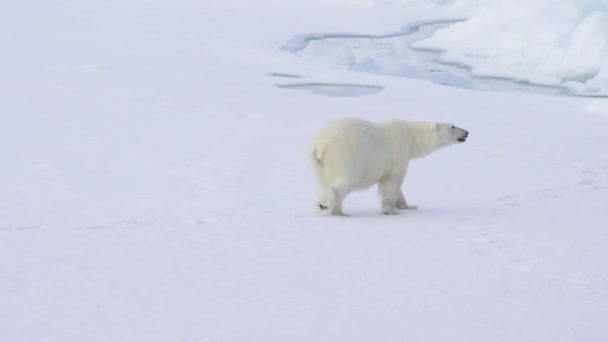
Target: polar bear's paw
x,y
328,205
323,209
388,209
326,210
405,206
402,203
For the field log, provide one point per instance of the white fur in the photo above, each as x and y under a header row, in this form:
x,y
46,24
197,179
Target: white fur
x,y
352,154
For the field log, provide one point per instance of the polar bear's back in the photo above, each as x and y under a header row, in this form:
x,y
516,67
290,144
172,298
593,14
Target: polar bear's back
x,y
354,151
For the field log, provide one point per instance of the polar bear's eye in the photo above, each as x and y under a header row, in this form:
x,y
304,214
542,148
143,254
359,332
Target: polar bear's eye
x,y
453,126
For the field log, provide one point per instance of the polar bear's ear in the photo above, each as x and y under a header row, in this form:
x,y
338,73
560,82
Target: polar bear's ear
x,y
436,127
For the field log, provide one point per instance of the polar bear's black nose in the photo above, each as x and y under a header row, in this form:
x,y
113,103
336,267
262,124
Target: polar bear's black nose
x,y
463,138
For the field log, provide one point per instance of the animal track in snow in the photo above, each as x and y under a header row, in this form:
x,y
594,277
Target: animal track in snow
x,y
516,201
124,224
490,246
19,228
593,180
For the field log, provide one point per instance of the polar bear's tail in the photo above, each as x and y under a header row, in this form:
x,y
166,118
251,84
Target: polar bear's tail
x,y
318,152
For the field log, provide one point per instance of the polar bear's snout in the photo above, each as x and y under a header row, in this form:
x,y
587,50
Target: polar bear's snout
x,y
463,137
450,134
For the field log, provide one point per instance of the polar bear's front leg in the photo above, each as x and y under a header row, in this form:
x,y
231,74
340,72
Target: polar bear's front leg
x,y
402,203
389,188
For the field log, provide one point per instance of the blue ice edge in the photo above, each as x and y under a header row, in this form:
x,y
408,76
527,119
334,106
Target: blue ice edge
x,y
300,41
458,75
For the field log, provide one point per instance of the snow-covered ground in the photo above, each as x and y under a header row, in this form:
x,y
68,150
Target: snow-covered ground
x,y
155,184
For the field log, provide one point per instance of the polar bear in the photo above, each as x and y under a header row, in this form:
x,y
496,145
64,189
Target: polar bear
x,y
354,154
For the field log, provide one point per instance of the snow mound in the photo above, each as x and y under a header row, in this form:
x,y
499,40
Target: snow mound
x,y
545,42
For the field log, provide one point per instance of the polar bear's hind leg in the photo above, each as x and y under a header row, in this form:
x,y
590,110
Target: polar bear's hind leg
x,y
330,202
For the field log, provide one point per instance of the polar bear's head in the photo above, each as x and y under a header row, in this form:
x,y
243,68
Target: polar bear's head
x,y
448,134
426,137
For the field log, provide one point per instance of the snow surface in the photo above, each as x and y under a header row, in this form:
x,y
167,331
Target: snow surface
x,y
156,187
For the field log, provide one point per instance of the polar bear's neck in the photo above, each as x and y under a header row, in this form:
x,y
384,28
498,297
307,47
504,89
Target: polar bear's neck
x,y
422,138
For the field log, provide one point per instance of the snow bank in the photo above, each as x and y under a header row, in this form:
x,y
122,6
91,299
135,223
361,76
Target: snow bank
x,y
550,42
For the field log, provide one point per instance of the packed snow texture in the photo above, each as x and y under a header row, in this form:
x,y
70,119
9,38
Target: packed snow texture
x,y
551,42
155,186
